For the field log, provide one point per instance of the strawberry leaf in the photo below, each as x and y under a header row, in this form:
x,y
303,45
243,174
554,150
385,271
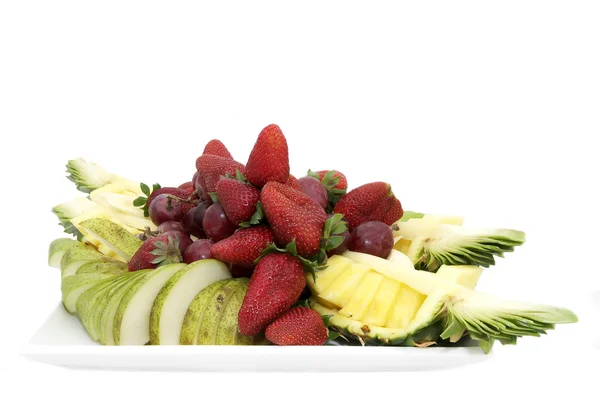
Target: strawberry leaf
x,y
329,180
334,241
214,197
311,173
326,320
240,177
140,201
145,189
256,218
309,265
301,303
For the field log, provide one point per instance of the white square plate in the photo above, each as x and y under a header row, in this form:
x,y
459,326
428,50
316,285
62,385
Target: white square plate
x,y
63,341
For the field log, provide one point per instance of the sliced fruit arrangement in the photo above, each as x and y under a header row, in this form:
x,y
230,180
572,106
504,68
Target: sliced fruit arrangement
x,y
248,253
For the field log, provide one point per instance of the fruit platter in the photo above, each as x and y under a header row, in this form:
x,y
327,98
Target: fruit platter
x,y
247,254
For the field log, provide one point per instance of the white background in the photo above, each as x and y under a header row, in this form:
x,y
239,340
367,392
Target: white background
x,y
484,109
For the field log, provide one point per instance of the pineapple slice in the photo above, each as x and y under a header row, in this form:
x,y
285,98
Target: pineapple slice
x,y
336,266
382,303
340,292
408,302
363,296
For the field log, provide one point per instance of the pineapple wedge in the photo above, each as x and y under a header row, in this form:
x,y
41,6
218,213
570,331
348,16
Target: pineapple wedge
x,y
417,308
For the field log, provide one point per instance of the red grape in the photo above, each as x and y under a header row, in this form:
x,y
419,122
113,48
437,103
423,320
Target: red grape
x,y
199,250
170,226
313,188
188,223
199,212
215,224
238,271
372,237
164,209
184,239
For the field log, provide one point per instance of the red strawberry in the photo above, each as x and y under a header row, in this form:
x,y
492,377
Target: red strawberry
x,y
187,187
293,182
238,199
212,167
269,159
298,326
374,201
293,215
276,284
342,183
216,147
156,251
244,246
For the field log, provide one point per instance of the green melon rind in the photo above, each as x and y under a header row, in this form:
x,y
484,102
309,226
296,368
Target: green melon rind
x,y
101,267
58,248
77,256
163,295
110,309
228,332
211,321
75,285
164,273
121,241
86,303
195,313
102,302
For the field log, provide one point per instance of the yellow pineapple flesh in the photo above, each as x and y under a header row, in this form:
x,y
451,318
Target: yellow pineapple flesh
x,y
382,303
363,296
341,290
408,302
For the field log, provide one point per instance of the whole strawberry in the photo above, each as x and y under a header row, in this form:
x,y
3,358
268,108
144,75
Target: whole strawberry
x,y
276,284
298,326
238,199
338,177
244,246
293,215
212,167
293,182
187,187
156,251
374,201
216,147
269,159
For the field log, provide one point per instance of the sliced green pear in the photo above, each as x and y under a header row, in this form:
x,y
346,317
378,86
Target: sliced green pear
x,y
75,285
101,267
173,300
227,332
101,301
87,304
132,319
111,234
196,310
58,248
211,321
77,256
113,300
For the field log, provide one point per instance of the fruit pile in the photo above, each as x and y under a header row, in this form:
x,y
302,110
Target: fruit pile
x,y
249,254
